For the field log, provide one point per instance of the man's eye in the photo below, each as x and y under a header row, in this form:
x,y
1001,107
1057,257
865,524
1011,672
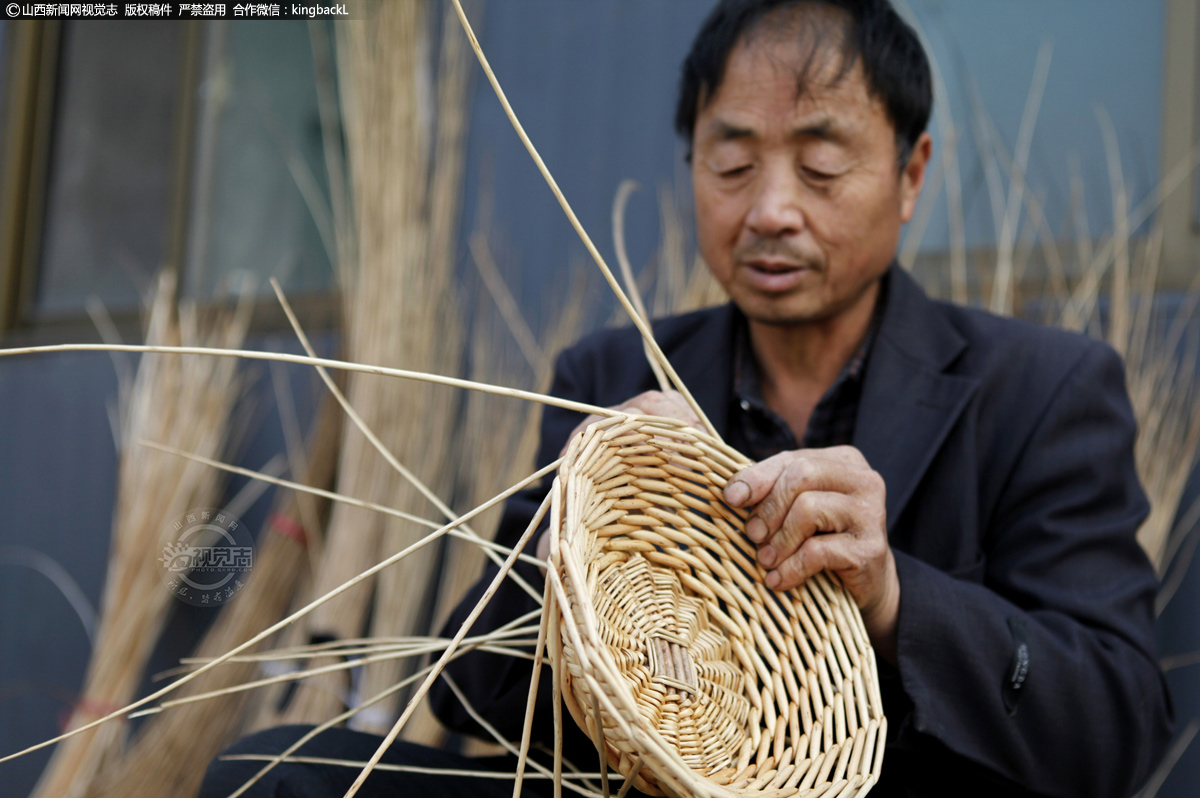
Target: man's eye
x,y
817,175
736,171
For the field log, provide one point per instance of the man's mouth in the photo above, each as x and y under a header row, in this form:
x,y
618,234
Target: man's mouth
x,y
775,276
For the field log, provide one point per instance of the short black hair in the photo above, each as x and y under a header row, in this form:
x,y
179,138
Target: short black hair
x,y
895,66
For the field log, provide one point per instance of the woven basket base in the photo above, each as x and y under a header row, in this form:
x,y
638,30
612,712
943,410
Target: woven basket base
x,y
705,681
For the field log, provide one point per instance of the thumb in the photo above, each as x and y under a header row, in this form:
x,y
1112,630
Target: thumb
x,y
752,484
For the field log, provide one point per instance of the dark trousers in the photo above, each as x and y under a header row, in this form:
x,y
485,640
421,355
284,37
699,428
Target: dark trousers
x,y
300,780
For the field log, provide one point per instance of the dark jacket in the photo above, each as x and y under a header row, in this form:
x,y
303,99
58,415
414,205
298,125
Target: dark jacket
x,y
1025,642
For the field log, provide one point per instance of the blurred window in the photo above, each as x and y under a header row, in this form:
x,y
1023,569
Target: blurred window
x,y
108,185
146,144
258,144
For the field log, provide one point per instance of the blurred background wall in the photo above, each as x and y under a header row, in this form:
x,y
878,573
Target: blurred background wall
x,y
130,146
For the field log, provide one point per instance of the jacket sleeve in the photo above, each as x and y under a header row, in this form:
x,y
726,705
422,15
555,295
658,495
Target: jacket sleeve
x,y
497,685
1045,673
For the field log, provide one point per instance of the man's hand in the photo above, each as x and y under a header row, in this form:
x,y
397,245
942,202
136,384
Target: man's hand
x,y
669,404
823,509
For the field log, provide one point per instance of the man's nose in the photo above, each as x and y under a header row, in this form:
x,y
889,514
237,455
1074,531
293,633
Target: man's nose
x,y
777,208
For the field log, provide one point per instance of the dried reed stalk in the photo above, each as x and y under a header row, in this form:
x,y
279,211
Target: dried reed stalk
x,y
405,177
641,324
452,649
493,446
184,401
682,281
1107,286
163,758
499,440
676,278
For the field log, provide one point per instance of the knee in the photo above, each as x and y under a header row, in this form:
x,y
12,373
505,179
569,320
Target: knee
x,y
224,777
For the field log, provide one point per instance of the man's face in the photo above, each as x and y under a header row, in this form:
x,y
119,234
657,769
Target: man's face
x,y
799,200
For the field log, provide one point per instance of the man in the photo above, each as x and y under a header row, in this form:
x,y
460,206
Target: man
x,y
970,479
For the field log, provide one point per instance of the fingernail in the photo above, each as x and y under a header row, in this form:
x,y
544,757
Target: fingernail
x,y
773,580
736,493
766,555
756,529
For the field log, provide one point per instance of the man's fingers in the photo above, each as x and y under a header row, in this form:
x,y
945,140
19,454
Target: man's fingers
x,y
819,553
772,485
812,512
752,484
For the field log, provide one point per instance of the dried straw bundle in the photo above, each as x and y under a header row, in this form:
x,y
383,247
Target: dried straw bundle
x,y
432,340
704,681
1106,285
499,437
163,759
1164,389
405,180
682,283
185,402
497,447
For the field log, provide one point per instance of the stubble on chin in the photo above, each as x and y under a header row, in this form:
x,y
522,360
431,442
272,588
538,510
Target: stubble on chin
x,y
780,316
810,305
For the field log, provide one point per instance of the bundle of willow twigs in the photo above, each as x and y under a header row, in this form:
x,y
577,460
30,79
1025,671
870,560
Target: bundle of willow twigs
x,y
431,339
1108,285
404,177
163,758
499,437
183,401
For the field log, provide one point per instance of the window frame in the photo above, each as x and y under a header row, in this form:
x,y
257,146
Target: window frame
x,y
1180,213
27,118
31,48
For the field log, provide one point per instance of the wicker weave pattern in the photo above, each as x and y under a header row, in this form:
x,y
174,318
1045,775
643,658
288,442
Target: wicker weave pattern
x,y
698,671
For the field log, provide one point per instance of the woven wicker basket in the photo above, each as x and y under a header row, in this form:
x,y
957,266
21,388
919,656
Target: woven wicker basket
x,y
706,682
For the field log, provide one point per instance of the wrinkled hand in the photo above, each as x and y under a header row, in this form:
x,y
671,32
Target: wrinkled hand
x,y
823,509
669,404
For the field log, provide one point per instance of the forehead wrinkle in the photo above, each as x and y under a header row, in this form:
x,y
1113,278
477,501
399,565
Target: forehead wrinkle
x,y
824,128
723,130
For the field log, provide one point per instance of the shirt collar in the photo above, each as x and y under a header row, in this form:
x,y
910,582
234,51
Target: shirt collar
x,y
747,384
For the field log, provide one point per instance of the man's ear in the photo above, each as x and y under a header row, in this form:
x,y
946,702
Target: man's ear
x,y
912,177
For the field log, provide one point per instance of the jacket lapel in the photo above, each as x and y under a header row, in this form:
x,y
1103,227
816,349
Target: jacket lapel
x,y
704,361
909,403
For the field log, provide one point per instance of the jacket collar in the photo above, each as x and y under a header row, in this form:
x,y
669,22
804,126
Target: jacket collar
x,y
910,400
704,361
